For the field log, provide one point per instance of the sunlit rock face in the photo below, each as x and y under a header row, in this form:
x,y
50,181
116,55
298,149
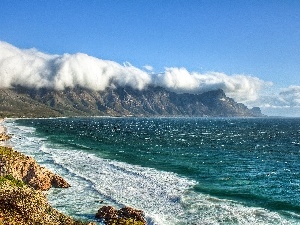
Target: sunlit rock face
x,y
25,168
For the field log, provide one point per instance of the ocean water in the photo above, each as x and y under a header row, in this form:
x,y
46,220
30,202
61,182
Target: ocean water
x,y
177,170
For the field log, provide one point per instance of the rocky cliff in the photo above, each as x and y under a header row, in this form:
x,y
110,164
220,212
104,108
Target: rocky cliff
x,y
121,101
22,205
26,169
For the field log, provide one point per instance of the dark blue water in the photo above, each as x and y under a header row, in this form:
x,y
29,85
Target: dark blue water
x,y
233,171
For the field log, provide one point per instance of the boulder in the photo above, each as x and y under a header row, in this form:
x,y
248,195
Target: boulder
x,y
128,212
126,215
4,137
107,213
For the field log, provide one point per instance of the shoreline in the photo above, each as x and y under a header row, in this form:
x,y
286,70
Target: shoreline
x,y
22,198
13,165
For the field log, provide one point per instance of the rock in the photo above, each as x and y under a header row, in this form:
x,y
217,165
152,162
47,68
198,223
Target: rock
x,y
25,168
128,212
59,182
4,137
107,213
22,205
122,216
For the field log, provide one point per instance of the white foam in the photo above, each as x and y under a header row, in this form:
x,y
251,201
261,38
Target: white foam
x,y
157,193
210,210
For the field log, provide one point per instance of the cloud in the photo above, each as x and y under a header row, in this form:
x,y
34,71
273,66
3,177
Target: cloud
x,y
283,98
291,95
32,68
148,67
279,102
240,87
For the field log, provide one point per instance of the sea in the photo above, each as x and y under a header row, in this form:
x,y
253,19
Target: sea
x,y
179,171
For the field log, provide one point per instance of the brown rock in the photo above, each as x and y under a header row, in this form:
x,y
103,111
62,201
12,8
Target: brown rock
x,y
4,137
59,182
128,212
113,216
25,168
107,213
21,205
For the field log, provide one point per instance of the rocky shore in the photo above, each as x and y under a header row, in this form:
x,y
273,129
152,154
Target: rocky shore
x,y
3,135
22,201
22,205
26,169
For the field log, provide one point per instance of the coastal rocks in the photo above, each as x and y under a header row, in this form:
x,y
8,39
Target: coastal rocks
x,y
126,215
4,137
25,168
22,205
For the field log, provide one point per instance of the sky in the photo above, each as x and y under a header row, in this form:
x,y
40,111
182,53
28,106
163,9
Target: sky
x,y
250,49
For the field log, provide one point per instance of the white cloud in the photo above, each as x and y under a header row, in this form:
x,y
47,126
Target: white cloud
x,y
148,67
240,87
283,98
31,68
280,102
291,95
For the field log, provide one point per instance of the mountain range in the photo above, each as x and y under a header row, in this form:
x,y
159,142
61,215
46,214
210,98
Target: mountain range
x,y
121,101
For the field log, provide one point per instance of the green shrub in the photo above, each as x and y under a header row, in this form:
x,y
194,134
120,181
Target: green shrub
x,y
122,221
13,181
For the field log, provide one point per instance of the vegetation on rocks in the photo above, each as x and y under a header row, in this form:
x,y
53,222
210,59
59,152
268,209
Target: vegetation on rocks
x,y
11,181
22,205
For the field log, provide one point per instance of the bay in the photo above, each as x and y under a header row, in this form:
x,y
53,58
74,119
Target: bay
x,y
178,170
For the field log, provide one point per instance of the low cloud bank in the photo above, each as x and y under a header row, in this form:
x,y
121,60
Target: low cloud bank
x,y
281,102
290,96
285,98
240,87
31,68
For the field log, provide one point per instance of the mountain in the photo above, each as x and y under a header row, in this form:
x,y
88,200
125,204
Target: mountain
x,y
121,101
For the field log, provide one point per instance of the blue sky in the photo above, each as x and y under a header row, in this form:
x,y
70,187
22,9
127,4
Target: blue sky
x,y
256,38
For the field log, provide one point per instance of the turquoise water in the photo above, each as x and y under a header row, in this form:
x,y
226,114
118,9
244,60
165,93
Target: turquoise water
x,y
178,170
